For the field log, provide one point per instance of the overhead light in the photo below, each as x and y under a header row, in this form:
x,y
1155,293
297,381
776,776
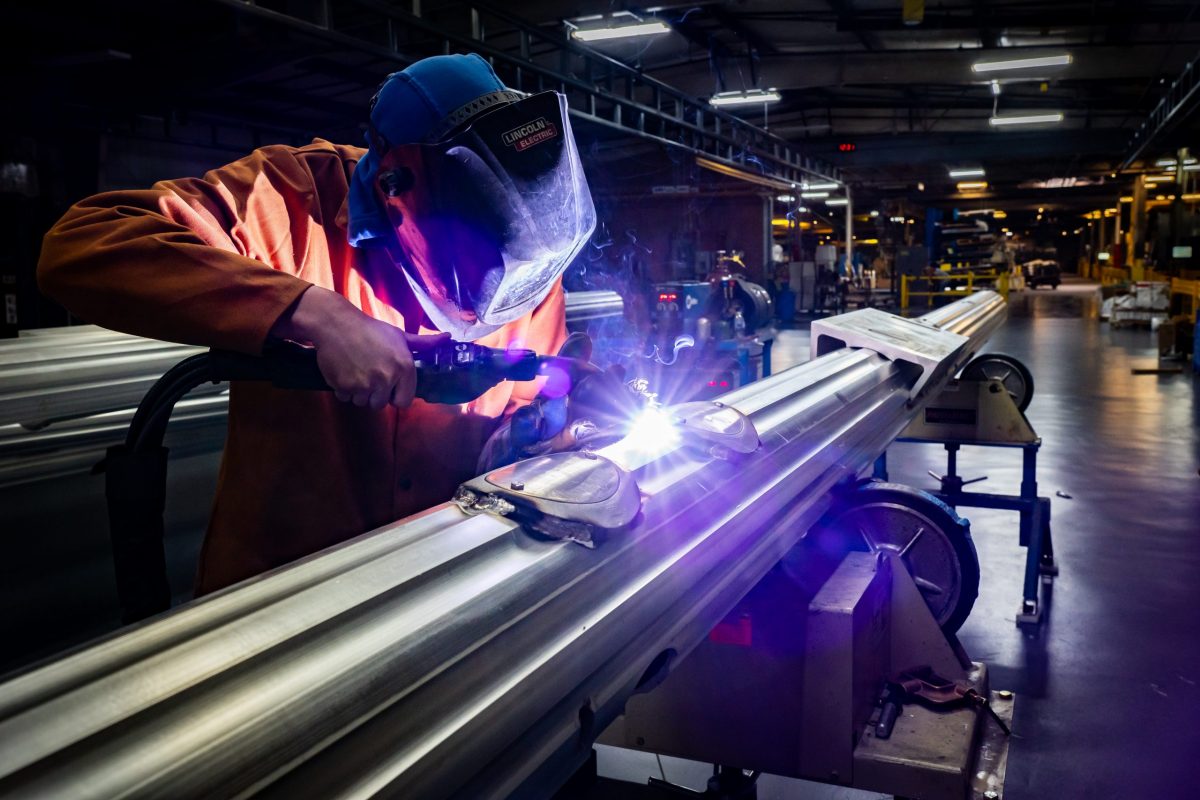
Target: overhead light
x,y
920,186
968,172
1127,199
820,187
836,201
814,195
1191,167
1026,119
896,219
620,31
995,88
1158,178
1022,63
910,221
745,98
786,198
874,213
1041,209
1170,162
972,186
802,210
998,214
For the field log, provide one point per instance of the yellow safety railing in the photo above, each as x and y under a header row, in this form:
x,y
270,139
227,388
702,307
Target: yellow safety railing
x,y
1189,289
997,280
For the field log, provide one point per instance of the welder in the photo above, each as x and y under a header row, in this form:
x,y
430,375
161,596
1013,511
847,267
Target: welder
x,y
457,220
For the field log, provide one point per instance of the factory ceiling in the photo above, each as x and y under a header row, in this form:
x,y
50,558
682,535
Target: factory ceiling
x,y
892,105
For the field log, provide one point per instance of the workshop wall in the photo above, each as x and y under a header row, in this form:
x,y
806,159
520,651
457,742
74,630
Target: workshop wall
x,y
661,234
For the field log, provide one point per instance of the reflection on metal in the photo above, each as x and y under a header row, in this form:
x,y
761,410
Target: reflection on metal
x,y
588,306
561,495
451,653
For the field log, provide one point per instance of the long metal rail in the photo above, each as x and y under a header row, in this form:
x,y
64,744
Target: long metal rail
x,y
458,655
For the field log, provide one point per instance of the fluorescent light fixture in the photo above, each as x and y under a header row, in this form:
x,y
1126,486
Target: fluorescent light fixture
x,y
896,219
620,31
786,198
1191,167
820,187
745,98
836,201
1026,119
874,213
1127,199
999,214
1022,63
1158,178
995,88
968,172
802,210
1170,162
814,195
972,186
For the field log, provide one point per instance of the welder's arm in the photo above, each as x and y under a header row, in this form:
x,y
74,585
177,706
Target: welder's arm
x,y
212,261
365,361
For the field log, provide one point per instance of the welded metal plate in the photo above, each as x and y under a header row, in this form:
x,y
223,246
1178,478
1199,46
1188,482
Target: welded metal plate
x,y
561,478
932,349
713,423
575,487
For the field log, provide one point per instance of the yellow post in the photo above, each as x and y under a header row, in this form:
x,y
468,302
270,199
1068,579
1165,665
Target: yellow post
x,y
904,292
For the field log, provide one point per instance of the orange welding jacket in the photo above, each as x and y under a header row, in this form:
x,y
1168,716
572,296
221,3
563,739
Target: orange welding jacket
x,y
215,261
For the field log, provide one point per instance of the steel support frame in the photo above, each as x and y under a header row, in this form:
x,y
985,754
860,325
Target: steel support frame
x,y
1034,511
599,89
1180,95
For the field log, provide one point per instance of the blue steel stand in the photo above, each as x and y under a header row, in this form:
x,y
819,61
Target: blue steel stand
x,y
1034,510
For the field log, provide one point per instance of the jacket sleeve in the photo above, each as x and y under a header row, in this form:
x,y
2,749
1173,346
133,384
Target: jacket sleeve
x,y
547,332
210,261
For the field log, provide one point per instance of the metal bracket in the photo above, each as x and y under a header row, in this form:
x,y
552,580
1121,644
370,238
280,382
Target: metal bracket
x,y
560,495
929,348
721,429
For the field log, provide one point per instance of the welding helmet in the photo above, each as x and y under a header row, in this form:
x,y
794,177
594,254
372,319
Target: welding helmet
x,y
487,218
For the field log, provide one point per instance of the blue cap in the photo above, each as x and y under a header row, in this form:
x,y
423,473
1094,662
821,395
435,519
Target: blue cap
x,y
413,105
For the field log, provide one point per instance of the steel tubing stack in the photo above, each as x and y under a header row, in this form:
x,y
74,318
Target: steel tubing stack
x,y
447,654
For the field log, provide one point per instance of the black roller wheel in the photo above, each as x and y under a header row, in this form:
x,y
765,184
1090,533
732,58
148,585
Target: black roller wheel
x,y
1015,376
931,539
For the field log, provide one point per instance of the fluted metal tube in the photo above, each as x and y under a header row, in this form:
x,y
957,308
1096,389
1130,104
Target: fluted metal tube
x,y
449,654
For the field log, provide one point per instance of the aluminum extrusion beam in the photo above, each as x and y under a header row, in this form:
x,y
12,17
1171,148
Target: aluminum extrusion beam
x,y
585,306
447,654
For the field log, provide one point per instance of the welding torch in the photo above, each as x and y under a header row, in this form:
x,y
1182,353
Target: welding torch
x,y
449,372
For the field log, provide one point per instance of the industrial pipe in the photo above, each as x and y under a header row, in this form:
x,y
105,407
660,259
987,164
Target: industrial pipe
x,y
456,653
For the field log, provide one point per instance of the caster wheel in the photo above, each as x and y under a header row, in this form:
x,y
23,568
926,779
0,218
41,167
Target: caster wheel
x,y
1015,376
932,541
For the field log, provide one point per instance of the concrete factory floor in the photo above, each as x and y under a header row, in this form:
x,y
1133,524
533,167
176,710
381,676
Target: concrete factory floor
x,y
1109,686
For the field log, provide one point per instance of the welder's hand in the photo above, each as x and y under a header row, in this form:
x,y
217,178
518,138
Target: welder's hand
x,y
550,423
365,361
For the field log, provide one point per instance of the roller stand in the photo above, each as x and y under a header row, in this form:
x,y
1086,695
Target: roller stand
x,y
985,414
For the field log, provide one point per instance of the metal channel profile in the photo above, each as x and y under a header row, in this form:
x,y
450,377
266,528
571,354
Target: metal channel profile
x,y
448,654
